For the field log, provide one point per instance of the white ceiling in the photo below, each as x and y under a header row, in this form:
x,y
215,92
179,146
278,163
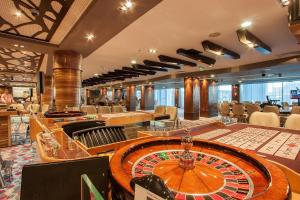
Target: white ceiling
x,y
174,24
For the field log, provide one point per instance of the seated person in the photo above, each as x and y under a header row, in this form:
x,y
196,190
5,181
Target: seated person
x,y
6,97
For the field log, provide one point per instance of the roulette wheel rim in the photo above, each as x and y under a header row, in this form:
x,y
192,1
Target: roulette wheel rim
x,y
272,174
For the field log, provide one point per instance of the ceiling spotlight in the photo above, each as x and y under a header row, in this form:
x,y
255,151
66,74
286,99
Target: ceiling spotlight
x,y
246,24
127,5
153,51
16,45
212,76
240,81
133,62
90,36
284,2
95,74
22,46
252,41
18,13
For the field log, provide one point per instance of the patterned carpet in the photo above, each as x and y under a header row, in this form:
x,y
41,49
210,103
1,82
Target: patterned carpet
x,y
21,155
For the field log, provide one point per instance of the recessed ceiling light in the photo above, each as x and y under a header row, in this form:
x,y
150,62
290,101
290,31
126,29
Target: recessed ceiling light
x,y
246,24
285,2
90,36
95,74
16,45
22,46
127,5
212,76
18,13
240,81
133,61
153,51
210,65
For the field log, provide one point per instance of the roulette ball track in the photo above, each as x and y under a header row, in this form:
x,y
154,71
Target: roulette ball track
x,y
219,172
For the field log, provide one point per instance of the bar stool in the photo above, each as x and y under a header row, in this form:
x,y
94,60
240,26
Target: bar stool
x,y
269,119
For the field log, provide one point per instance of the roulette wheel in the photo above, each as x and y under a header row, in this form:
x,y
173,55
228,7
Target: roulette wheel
x,y
197,170
64,114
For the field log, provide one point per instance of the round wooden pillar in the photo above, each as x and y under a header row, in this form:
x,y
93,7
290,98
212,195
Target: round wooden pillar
x,y
67,79
47,95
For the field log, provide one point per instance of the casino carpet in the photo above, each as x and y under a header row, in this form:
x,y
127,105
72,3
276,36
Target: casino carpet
x,y
21,155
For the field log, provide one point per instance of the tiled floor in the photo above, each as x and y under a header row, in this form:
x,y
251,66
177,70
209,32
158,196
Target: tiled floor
x,y
21,155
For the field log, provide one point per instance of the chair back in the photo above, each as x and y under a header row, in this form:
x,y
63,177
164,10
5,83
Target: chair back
x,y
238,109
45,108
104,110
161,110
285,105
225,109
251,108
295,110
34,108
172,111
269,119
74,108
117,109
293,122
89,109
273,109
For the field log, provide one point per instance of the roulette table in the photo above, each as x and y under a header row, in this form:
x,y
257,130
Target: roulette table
x,y
64,114
205,170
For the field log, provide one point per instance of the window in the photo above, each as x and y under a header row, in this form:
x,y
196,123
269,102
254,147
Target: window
x,y
164,96
275,90
224,93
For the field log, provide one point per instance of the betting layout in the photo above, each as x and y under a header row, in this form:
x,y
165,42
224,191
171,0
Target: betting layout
x,y
285,145
232,181
248,138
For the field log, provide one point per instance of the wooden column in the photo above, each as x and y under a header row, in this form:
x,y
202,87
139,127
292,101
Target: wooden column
x,y
67,78
147,101
47,95
235,92
191,98
204,98
131,98
103,91
177,97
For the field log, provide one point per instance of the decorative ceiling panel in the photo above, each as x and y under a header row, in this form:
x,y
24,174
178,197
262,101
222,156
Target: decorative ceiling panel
x,y
36,19
17,61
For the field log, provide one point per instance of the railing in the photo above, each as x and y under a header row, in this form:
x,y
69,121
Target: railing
x,y
88,189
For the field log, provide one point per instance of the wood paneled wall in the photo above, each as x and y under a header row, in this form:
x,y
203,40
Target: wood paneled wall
x,y
131,98
147,100
67,78
191,98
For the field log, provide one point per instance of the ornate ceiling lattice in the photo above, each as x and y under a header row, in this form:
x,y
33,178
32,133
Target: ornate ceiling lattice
x,y
36,19
17,61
